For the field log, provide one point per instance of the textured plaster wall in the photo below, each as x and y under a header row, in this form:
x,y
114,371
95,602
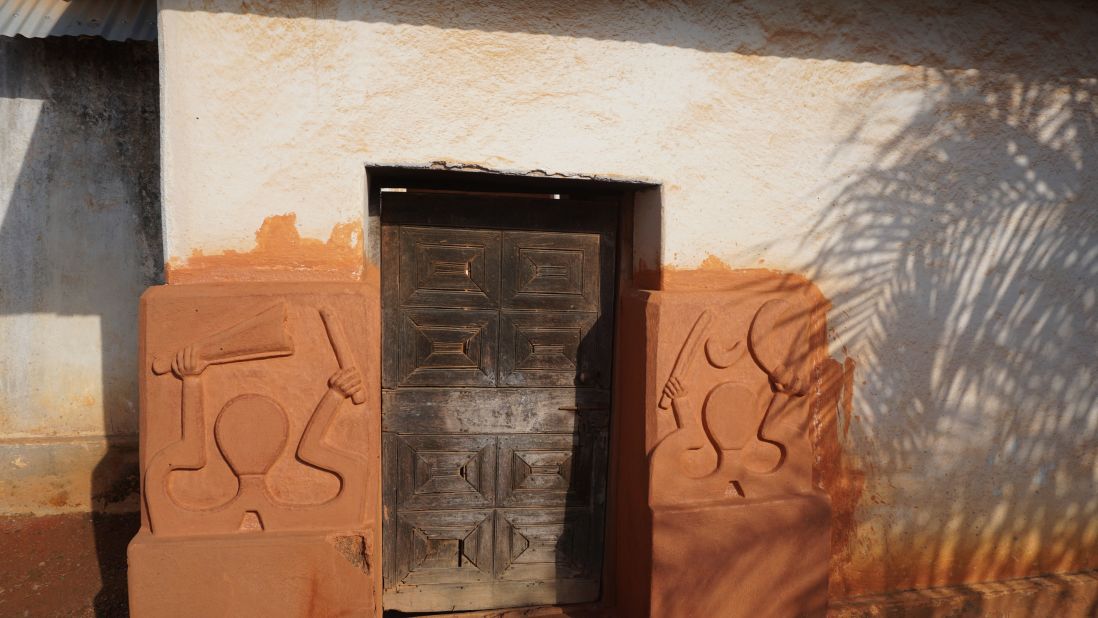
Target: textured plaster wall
x,y
80,238
931,166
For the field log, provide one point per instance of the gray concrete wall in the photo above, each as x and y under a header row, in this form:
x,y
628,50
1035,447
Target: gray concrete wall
x,y
80,239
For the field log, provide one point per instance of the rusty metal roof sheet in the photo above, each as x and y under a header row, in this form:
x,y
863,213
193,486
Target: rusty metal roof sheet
x,y
116,20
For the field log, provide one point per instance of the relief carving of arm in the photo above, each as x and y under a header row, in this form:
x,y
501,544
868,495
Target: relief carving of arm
x,y
315,451
187,453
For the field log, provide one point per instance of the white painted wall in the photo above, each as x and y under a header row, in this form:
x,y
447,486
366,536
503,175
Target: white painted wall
x,y
933,167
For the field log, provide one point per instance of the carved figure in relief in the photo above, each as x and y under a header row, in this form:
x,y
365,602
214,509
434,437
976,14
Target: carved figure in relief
x,y
251,432
739,443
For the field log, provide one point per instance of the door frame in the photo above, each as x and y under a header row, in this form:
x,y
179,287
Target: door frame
x,y
633,198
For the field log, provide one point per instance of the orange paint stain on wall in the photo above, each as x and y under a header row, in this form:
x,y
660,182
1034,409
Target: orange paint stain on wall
x,y
849,366
280,254
715,274
839,474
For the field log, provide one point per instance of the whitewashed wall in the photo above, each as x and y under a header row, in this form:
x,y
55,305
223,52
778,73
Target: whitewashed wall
x,y
933,167
80,239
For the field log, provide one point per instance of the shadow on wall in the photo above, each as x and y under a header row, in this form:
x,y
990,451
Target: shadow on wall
x,y
80,236
891,32
974,246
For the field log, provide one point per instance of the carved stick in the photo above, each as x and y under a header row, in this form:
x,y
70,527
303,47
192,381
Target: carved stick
x,y
688,352
263,335
341,348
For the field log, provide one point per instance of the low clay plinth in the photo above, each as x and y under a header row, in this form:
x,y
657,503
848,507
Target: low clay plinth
x,y
756,558
261,574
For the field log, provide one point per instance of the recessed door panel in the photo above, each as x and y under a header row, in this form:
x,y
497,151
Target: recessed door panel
x,y
449,267
544,470
447,347
444,472
542,544
547,348
551,270
444,547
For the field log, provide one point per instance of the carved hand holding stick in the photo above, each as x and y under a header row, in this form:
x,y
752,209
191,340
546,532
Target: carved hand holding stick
x,y
686,354
342,350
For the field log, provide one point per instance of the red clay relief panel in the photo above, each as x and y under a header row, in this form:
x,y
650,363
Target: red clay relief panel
x,y
740,416
259,427
243,393
738,527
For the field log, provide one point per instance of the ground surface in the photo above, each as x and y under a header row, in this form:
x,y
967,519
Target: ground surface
x,y
64,565
75,565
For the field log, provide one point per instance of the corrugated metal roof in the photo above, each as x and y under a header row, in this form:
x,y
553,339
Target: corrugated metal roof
x,y
116,20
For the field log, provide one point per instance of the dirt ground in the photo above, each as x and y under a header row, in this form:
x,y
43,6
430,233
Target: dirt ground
x,y
75,565
64,565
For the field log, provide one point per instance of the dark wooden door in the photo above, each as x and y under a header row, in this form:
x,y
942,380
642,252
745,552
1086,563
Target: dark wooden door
x,y
496,398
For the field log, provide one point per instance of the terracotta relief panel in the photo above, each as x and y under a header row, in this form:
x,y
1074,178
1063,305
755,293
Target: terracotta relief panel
x,y
721,396
259,408
733,412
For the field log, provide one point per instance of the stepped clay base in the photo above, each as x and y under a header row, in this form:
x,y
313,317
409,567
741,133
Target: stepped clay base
x,y
272,574
757,558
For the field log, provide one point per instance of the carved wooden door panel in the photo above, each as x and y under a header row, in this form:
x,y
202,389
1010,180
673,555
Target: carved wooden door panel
x,y
496,383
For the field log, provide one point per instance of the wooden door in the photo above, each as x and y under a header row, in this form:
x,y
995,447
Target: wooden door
x,y
496,399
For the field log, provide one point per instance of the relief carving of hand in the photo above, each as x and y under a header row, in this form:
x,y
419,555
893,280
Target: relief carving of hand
x,y
346,381
675,389
786,380
187,363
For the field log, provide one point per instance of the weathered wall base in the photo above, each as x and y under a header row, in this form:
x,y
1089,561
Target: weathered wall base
x,y
258,574
1073,594
51,476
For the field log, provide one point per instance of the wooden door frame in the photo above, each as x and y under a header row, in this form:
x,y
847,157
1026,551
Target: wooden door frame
x,y
629,194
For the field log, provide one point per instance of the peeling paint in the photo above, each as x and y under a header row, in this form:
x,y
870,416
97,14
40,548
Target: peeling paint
x,y
847,408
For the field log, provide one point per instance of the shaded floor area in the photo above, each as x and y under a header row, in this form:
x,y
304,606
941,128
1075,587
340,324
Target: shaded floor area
x,y
65,565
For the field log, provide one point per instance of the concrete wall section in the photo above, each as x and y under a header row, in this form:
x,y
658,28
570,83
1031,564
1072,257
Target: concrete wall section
x,y
80,238
932,167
